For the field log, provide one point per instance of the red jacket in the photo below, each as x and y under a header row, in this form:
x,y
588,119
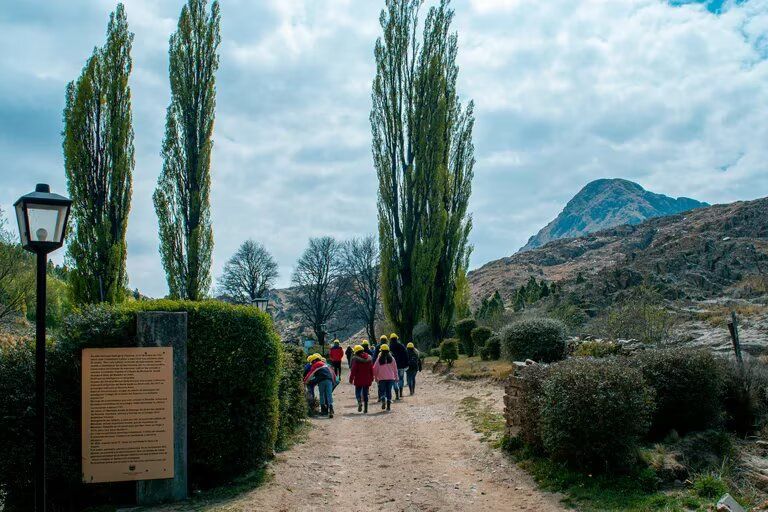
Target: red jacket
x,y
362,370
336,354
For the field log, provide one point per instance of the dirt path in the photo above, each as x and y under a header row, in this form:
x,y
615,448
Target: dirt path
x,y
419,457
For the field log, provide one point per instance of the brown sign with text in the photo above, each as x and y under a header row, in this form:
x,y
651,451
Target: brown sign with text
x,y
127,414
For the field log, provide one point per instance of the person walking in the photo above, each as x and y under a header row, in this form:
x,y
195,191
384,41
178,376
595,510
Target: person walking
x,y
385,373
336,354
414,367
310,388
361,376
367,347
322,376
349,353
401,358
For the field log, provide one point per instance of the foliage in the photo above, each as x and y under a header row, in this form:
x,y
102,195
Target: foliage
x,y
249,273
321,285
485,420
462,295
363,264
709,486
464,329
491,307
571,315
449,351
293,407
99,161
539,339
234,357
530,293
182,196
423,155
688,385
594,412
16,273
58,305
532,379
492,349
641,316
422,337
479,336
745,394
597,349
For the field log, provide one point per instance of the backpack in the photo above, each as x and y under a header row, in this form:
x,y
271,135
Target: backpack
x,y
413,360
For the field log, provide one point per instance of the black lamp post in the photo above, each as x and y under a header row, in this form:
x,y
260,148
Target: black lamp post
x,y
42,218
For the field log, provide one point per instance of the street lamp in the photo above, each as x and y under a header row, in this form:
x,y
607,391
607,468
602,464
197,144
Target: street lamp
x,y
42,218
261,303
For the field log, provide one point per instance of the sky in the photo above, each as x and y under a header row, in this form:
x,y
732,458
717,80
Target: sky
x,y
671,94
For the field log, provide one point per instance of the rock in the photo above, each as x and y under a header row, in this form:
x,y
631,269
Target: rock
x,y
728,504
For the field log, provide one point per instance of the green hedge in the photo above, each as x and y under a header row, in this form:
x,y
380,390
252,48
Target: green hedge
x,y
464,334
234,360
449,350
539,339
689,386
293,405
594,412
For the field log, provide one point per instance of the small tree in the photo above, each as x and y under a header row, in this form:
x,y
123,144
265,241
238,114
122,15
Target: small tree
x,y
464,332
249,273
449,351
321,285
540,339
479,336
16,273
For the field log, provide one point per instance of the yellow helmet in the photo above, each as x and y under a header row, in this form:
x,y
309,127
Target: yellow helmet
x,y
358,348
384,347
313,357
393,336
364,343
336,342
410,345
383,338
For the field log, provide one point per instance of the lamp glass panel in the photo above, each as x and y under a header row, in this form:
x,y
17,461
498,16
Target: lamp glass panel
x,y
22,224
46,222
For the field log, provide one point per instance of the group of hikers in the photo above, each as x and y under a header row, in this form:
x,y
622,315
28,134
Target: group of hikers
x,y
389,363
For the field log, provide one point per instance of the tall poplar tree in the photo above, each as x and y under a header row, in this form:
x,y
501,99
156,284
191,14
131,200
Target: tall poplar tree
x,y
99,161
418,129
182,197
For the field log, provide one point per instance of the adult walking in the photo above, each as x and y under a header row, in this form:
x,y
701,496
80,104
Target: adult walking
x,y
414,367
336,354
350,352
385,373
361,376
401,358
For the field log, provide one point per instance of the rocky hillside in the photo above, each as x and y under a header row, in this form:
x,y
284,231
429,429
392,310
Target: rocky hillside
x,y
699,254
607,203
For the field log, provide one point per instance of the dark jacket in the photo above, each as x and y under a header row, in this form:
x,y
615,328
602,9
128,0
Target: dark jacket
x,y
319,372
362,370
400,354
414,360
349,352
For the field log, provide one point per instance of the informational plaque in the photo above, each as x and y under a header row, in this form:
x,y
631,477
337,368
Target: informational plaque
x,y
127,414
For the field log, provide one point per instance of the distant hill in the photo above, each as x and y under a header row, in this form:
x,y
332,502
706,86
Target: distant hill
x,y
606,203
699,254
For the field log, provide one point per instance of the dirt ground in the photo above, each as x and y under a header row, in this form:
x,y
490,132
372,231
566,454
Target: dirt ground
x,y
421,456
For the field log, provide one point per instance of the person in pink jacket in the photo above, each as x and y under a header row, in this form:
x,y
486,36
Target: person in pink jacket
x,y
385,373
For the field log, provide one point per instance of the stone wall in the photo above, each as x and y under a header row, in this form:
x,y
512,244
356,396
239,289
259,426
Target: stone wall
x,y
512,397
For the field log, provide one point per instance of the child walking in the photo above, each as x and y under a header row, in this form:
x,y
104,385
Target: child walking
x,y
322,376
336,355
414,366
361,376
385,373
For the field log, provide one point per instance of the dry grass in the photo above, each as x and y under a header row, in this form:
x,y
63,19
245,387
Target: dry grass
x,y
718,315
472,368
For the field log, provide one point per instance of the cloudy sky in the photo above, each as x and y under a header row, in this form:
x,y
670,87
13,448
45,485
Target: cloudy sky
x,y
671,94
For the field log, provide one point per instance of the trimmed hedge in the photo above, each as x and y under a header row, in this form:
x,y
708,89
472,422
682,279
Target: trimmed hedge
x,y
689,386
449,351
479,336
293,404
234,360
464,333
532,378
492,349
539,339
594,412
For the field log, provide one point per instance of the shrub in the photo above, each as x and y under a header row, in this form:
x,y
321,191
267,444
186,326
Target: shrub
x,y
593,412
435,352
479,336
540,339
422,337
529,405
492,349
293,406
464,333
234,362
688,385
449,351
641,316
597,349
745,395
709,486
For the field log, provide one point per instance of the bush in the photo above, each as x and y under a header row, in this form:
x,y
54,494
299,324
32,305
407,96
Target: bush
x,y
479,336
435,352
422,337
597,349
539,339
532,379
709,486
688,385
641,316
594,412
464,333
746,395
492,349
449,351
293,405
234,361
